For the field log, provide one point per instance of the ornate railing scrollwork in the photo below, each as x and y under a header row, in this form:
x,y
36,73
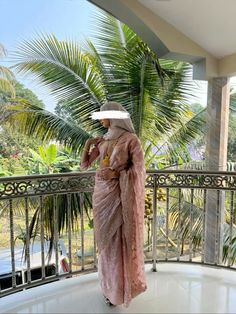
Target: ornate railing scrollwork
x,y
13,187
81,183
192,179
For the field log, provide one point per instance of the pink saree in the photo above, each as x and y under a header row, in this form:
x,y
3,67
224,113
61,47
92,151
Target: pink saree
x,y
118,206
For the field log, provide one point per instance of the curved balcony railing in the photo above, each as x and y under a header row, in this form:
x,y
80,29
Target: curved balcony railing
x,y
189,217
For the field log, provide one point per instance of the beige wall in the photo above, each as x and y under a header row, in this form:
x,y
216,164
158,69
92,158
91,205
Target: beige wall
x,y
166,40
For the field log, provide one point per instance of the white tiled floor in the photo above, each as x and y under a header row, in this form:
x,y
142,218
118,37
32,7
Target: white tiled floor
x,y
174,288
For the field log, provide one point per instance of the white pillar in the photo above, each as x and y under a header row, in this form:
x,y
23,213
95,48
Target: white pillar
x,y
216,160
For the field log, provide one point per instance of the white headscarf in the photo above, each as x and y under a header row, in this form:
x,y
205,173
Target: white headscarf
x,y
117,126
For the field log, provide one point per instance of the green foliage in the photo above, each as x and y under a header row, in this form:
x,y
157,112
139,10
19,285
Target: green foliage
x,y
231,153
14,147
27,94
116,66
3,171
229,247
186,222
14,151
199,143
232,138
5,77
20,93
49,160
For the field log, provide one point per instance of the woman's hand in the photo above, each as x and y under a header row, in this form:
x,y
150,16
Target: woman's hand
x,y
93,141
107,174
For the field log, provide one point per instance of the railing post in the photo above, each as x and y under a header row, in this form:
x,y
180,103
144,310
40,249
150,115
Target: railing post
x,y
81,197
42,239
12,245
154,225
69,231
27,246
56,235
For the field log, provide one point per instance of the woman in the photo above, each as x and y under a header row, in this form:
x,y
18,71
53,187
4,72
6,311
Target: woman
x,y
118,205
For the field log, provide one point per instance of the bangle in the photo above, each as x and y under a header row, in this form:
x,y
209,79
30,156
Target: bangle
x,y
86,150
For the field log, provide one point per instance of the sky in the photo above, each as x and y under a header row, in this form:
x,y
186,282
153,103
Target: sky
x,y
23,19
67,19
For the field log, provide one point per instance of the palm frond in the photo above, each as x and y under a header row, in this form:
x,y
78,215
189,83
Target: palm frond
x,y
6,74
3,51
67,72
7,87
30,119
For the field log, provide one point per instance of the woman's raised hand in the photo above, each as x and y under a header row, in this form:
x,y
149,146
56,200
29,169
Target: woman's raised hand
x,y
93,141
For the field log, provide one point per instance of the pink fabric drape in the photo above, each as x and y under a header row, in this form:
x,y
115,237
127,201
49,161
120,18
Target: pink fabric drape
x,y
118,206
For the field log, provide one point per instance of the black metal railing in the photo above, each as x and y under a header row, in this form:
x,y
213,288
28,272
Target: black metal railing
x,y
189,217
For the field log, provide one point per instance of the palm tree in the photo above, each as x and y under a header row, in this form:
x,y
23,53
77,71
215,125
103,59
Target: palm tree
x,y
6,76
118,66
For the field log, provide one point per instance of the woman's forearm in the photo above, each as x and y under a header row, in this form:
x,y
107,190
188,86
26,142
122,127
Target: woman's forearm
x,y
89,155
85,154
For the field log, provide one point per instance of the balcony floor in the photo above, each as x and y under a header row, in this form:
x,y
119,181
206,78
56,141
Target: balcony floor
x,y
174,288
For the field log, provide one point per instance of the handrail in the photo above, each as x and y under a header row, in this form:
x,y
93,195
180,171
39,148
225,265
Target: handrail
x,y
178,211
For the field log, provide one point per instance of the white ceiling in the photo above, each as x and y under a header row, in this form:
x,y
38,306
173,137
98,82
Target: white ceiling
x,y
210,23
